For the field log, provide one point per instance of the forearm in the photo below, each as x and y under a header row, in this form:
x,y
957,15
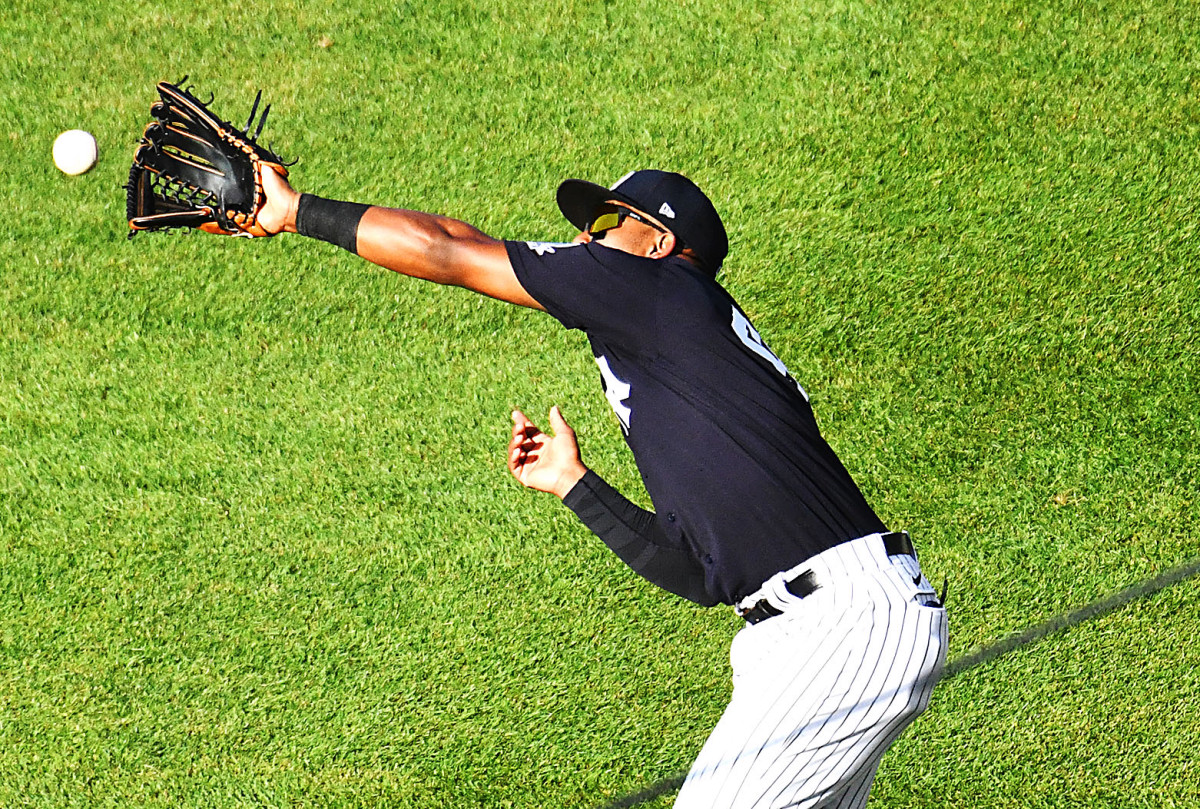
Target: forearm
x,y
636,537
420,245
412,243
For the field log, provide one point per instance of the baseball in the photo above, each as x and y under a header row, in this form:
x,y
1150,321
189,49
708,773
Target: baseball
x,y
75,151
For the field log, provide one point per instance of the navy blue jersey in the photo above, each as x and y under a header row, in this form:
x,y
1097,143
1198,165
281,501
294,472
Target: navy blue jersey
x,y
724,438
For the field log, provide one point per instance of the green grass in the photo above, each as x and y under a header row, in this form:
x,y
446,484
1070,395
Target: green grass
x,y
257,543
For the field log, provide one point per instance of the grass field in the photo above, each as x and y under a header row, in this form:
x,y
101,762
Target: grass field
x,y
257,543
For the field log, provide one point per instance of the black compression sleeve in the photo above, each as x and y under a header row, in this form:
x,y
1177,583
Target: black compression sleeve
x,y
634,535
330,220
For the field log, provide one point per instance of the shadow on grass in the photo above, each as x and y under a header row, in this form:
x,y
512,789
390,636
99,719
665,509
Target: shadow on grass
x,y
986,653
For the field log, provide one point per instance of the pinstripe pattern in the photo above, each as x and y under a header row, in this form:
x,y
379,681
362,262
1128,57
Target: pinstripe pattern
x,y
822,690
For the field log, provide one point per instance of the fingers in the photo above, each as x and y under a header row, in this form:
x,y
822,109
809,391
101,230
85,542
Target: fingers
x,y
518,457
522,427
521,422
522,448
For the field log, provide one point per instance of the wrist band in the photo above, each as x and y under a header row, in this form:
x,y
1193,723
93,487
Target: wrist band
x,y
330,220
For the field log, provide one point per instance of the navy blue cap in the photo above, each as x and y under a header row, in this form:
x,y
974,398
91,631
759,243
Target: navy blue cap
x,y
670,198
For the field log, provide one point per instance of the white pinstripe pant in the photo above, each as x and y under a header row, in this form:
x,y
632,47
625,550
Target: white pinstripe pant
x,y
821,691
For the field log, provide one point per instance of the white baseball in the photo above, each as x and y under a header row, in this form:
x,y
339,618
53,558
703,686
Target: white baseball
x,y
75,151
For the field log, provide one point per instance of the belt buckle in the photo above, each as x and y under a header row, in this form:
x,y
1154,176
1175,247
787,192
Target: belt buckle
x,y
800,586
760,612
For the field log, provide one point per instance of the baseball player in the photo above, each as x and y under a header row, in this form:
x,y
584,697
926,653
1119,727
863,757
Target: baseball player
x,y
844,637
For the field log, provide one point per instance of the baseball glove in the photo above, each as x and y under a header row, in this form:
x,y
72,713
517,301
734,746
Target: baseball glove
x,y
194,170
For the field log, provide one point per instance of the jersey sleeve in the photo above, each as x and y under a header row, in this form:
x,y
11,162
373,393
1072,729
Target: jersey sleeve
x,y
636,537
605,292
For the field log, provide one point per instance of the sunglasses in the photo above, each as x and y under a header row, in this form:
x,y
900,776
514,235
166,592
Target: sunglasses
x,y
608,217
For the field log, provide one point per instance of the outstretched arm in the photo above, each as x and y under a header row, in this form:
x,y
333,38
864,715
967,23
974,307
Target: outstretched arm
x,y
422,245
552,464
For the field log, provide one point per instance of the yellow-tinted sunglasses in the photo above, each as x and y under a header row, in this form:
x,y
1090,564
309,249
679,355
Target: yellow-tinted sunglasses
x,y
608,217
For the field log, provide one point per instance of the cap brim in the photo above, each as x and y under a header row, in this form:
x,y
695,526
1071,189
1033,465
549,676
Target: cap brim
x,y
578,200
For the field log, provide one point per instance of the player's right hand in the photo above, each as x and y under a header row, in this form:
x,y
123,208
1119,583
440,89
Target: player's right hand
x,y
544,462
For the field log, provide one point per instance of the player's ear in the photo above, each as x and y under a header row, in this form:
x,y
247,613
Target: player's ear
x,y
663,245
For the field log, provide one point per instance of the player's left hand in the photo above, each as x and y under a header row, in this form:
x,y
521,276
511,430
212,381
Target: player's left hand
x,y
547,463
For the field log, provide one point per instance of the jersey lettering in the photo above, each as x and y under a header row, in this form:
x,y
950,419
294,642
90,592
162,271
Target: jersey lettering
x,y
542,248
754,341
616,391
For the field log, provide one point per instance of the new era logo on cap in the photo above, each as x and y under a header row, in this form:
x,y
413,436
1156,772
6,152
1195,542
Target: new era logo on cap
x,y
666,210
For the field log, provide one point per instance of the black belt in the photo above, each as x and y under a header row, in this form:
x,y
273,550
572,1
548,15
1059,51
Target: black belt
x,y
896,543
